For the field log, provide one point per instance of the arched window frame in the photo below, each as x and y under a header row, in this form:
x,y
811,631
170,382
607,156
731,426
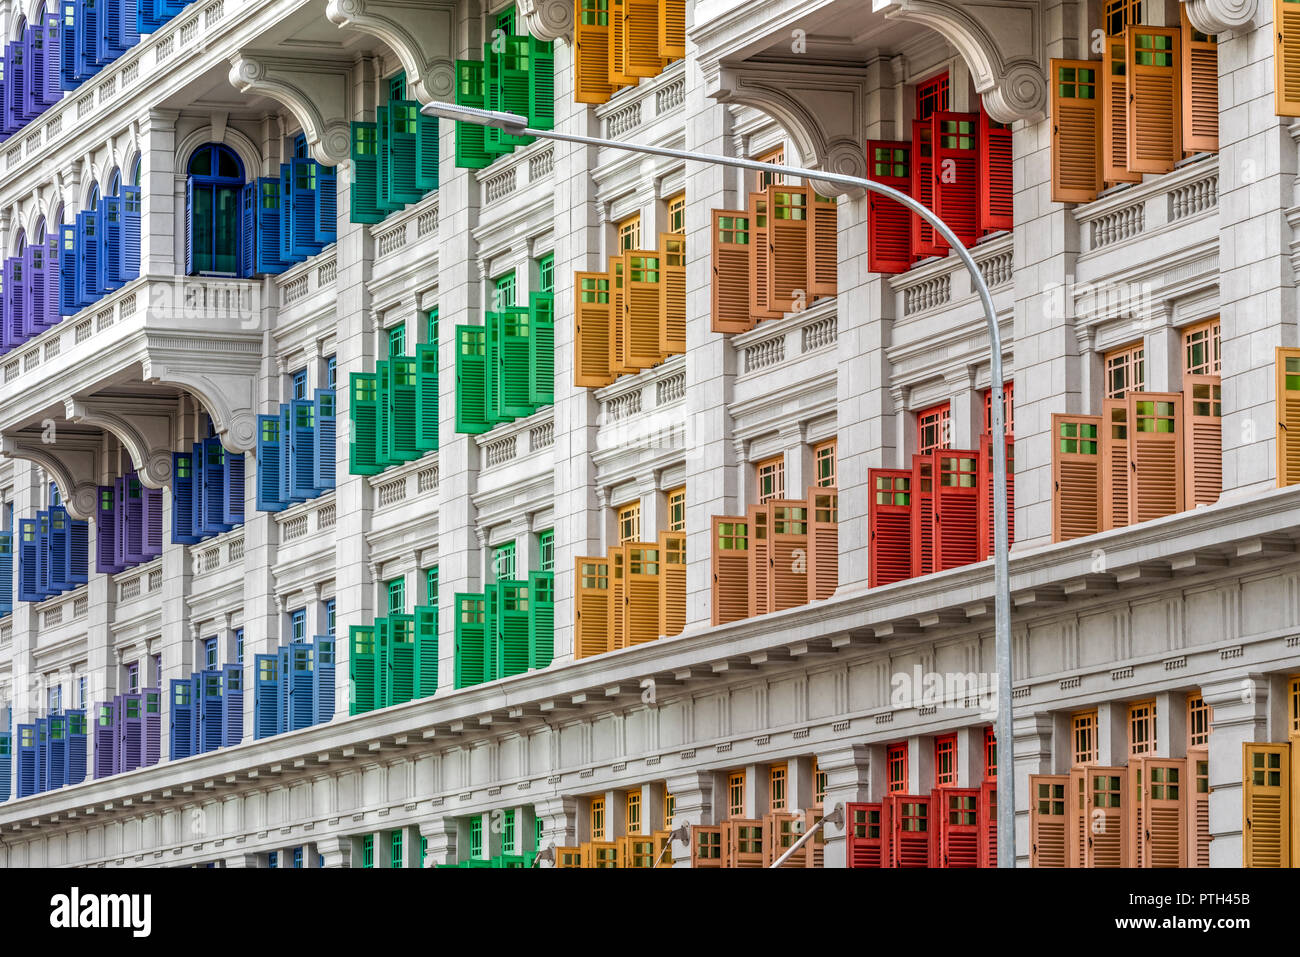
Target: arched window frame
x,y
212,234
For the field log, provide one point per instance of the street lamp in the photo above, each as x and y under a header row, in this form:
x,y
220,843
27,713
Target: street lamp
x,y
517,125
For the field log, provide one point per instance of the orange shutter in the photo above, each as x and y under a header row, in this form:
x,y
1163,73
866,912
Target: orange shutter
x,y
642,292
672,582
1164,799
823,263
1076,131
1288,417
568,857
1155,111
618,316
742,842
641,593
1155,452
760,560
732,245
1114,464
1266,805
618,75
780,830
672,294
1076,797
1198,807
788,545
1107,800
823,542
1134,818
672,29
1114,115
730,569
1294,827
1286,57
591,631
1076,476
760,259
1048,795
706,846
1203,434
591,321
641,36
986,525
617,597
1200,69
591,55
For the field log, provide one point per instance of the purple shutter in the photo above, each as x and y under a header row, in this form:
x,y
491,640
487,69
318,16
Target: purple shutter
x,y
133,546
153,522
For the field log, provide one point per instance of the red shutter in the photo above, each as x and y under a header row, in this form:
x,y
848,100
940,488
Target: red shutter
x,y
996,193
1155,446
732,250
824,260
1114,464
864,837
910,817
988,813
730,569
986,525
923,485
1049,796
957,813
1076,476
889,526
924,241
889,224
788,544
1203,435
956,508
760,560
956,173
823,542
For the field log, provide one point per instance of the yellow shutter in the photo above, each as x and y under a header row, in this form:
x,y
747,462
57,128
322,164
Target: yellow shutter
x,y
640,593
642,291
1288,416
672,582
1265,805
672,29
641,38
591,630
618,316
1286,57
592,316
672,294
591,53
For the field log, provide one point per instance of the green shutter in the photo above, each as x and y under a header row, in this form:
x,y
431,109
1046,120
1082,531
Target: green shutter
x,y
512,623
541,88
384,198
364,414
384,414
491,646
426,406
383,661
494,140
514,377
399,681
541,361
471,151
492,370
541,618
426,649
403,404
471,634
426,152
471,380
514,83
431,586
401,176
361,669
364,197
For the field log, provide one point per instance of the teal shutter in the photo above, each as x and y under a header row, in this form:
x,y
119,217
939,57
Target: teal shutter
x,y
426,407
426,650
403,403
361,669
541,364
541,618
363,202
426,152
364,415
470,637
402,152
384,413
471,151
471,380
491,644
384,180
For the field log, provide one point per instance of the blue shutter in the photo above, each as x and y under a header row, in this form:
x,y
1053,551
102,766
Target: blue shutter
x,y
6,573
183,525
288,199
6,764
213,709
189,227
270,497
232,492
88,283
14,332
28,567
129,248
266,696
327,208
302,478
214,478
109,256
86,46
76,745
56,764
248,229
288,454
43,587
69,78
269,215
181,740
58,539
27,757
233,704
147,18
302,687
323,680
51,292
196,712
130,504
304,174
326,434
68,270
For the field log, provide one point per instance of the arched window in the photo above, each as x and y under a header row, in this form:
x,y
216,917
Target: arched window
x,y
92,199
115,183
216,177
135,171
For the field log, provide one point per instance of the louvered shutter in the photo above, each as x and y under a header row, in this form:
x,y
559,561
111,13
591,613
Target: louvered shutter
x,y
1198,806
730,597
324,436
511,623
34,266
1107,800
131,507
956,173
514,360
78,552
1203,438
363,412
617,597
911,828
248,229
889,223
363,200
956,509
471,379
672,294
1287,371
995,188
985,518
265,240
153,519
183,512
541,85
672,583
67,270
924,480
6,574
232,489
323,677
471,147
788,544
1286,57
617,65
988,823
1164,799
305,205
1154,115
863,835
1200,89
1266,805
302,684
212,732
641,38
1076,476
925,241
288,454
129,245
6,765
190,239
957,826
642,570
758,566
731,252
270,497
672,29
642,297
401,159
889,522
266,696
232,705
214,486
1155,450
53,275
362,671
55,524
471,640
132,732
76,749
541,349
403,402
760,257
1114,114
823,542
106,757
592,319
1047,820
426,152
618,316
69,75
288,227
1115,479
426,409
591,628
425,663
109,254
27,760
1076,131
790,247
541,619
591,57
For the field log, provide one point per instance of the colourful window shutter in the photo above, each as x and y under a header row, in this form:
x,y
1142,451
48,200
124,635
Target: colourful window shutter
x,y
512,370
1200,89
759,564
6,577
267,720
303,208
706,846
362,671
184,530
541,344
924,481
789,243
270,497
1076,131
1287,370
672,294
232,489
1115,464
985,518
471,147
69,76
232,705
996,193
403,400
912,827
591,628
68,270
591,38
593,316
471,660
957,826
471,379
863,835
426,407
426,152
1286,57
889,223
618,316
364,198
957,183
364,415
672,582
1114,114
672,29
323,680
1155,452
641,38
641,584
1155,110
732,251
925,241
641,317
106,531
760,257
617,67
1048,821
823,542
617,597
1198,813
426,650
1203,440
788,544
889,523
541,84
326,223
1162,839
324,437
1076,476
956,509
1266,805
302,466
383,414
400,173
511,631
730,598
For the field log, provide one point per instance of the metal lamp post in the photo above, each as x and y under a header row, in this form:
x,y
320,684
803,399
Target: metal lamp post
x,y
517,125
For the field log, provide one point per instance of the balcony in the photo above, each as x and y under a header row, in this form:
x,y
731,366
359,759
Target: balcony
x,y
405,244
516,186
642,421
